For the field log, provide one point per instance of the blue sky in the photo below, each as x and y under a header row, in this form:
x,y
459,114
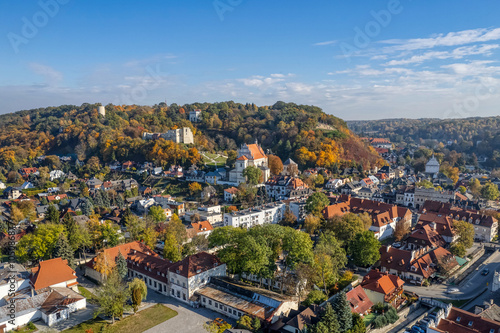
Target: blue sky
x,y
355,59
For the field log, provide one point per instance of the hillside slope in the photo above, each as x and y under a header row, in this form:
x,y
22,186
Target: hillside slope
x,y
301,132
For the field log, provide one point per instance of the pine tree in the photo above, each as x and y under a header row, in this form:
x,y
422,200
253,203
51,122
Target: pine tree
x,y
121,265
105,199
52,214
328,322
343,311
63,250
98,201
119,201
87,207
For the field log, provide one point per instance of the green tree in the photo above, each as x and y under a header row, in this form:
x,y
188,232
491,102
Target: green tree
x,y
347,226
343,311
312,223
253,175
316,203
121,265
315,296
138,291
171,250
364,249
458,249
289,219
63,249
328,322
52,214
157,213
329,258
490,191
462,189
358,325
40,244
112,296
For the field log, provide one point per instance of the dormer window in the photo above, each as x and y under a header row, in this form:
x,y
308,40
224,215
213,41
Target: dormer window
x,y
458,319
470,323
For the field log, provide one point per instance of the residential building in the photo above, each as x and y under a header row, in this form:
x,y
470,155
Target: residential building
x,y
53,273
460,321
2,186
180,135
230,194
94,184
298,208
12,193
307,318
359,300
381,143
417,265
286,187
485,226
212,214
234,300
383,288
25,172
442,224
267,214
168,202
384,216
56,174
203,228
424,194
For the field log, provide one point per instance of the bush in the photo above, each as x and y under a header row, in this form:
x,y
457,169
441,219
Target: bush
x,y
315,297
31,326
380,321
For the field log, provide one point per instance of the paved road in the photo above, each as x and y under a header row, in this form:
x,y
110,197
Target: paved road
x,y
472,286
188,320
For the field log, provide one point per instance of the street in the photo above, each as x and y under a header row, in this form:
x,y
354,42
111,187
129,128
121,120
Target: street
x,y
472,286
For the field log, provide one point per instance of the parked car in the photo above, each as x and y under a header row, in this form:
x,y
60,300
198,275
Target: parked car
x,y
485,271
453,290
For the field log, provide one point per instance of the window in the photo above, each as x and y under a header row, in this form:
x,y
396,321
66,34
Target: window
x,y
58,315
209,302
184,284
458,319
204,300
470,323
216,305
183,296
173,292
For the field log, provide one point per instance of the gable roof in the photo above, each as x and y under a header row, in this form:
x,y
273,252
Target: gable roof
x,y
358,300
51,272
308,317
256,151
125,249
459,321
195,264
383,283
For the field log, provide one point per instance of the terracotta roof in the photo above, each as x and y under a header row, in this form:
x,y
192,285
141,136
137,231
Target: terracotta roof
x,y
383,283
358,300
427,236
459,321
125,249
232,190
51,272
444,223
256,151
195,264
56,197
202,226
242,158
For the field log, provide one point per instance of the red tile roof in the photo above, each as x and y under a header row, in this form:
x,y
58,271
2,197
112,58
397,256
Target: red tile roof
x,y
461,321
256,151
125,249
51,272
232,190
358,300
383,283
195,264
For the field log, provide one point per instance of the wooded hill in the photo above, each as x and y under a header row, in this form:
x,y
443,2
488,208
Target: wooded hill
x,y
304,133
477,135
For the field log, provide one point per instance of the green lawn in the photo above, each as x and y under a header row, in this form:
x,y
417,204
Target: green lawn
x,y
456,302
140,322
369,318
86,293
25,329
221,161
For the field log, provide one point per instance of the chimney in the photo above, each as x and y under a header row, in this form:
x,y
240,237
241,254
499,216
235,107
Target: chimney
x,y
433,225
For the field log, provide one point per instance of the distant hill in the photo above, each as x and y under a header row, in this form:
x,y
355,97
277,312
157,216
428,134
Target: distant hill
x,y
478,136
304,133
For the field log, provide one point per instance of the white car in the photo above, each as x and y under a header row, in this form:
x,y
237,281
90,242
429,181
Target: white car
x,y
453,290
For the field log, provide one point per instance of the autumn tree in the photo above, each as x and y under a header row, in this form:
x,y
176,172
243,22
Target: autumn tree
x,y
194,188
157,213
465,232
490,191
401,230
104,264
312,223
40,244
289,219
275,164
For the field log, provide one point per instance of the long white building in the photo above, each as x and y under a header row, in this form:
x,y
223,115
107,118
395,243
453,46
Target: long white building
x,y
267,214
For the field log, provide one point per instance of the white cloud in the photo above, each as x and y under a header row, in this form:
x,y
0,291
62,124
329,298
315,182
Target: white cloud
x,y
450,39
51,76
329,42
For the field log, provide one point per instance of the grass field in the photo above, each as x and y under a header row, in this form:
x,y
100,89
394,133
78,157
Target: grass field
x,y
87,294
210,159
140,322
369,318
